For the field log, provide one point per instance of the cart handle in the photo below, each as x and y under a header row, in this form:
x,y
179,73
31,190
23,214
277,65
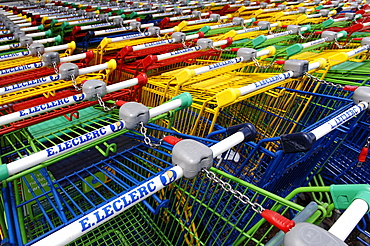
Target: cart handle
x,y
294,69
132,114
95,218
64,74
355,198
46,107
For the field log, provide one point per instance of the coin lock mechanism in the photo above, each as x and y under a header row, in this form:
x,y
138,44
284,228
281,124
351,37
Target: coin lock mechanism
x,y
103,17
134,114
94,89
118,21
298,67
69,71
36,49
205,43
154,31
179,37
51,59
90,15
25,41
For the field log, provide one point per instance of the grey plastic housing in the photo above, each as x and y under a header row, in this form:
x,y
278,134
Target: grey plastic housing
x,y
147,6
113,3
93,89
205,43
237,21
184,2
197,14
68,70
294,28
161,9
123,5
90,15
103,17
324,12
192,157
355,4
247,2
134,5
317,2
331,36
154,31
350,16
132,113
135,25
118,21
362,94
177,11
25,41
179,37
281,7
307,234
263,5
365,41
14,28
51,58
81,12
298,67
215,17
248,54
301,9
335,3
36,49
264,25
200,4
71,11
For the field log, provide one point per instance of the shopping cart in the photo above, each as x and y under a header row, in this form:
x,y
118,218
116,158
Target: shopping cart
x,y
203,210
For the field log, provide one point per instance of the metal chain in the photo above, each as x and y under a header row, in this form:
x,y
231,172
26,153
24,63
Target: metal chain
x,y
147,140
260,66
39,55
342,46
55,68
74,83
102,104
301,36
323,81
184,44
256,207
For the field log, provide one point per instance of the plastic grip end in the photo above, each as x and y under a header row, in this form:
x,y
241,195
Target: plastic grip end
x,y
278,220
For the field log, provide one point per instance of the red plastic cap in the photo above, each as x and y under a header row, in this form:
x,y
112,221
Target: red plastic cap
x,y
363,154
278,220
357,39
142,79
119,103
229,42
89,55
171,140
361,12
234,49
138,19
350,88
280,62
34,23
201,34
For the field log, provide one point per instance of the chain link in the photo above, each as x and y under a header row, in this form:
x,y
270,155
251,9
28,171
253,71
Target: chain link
x,y
74,83
256,207
55,68
342,46
102,104
184,44
147,140
260,66
323,81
